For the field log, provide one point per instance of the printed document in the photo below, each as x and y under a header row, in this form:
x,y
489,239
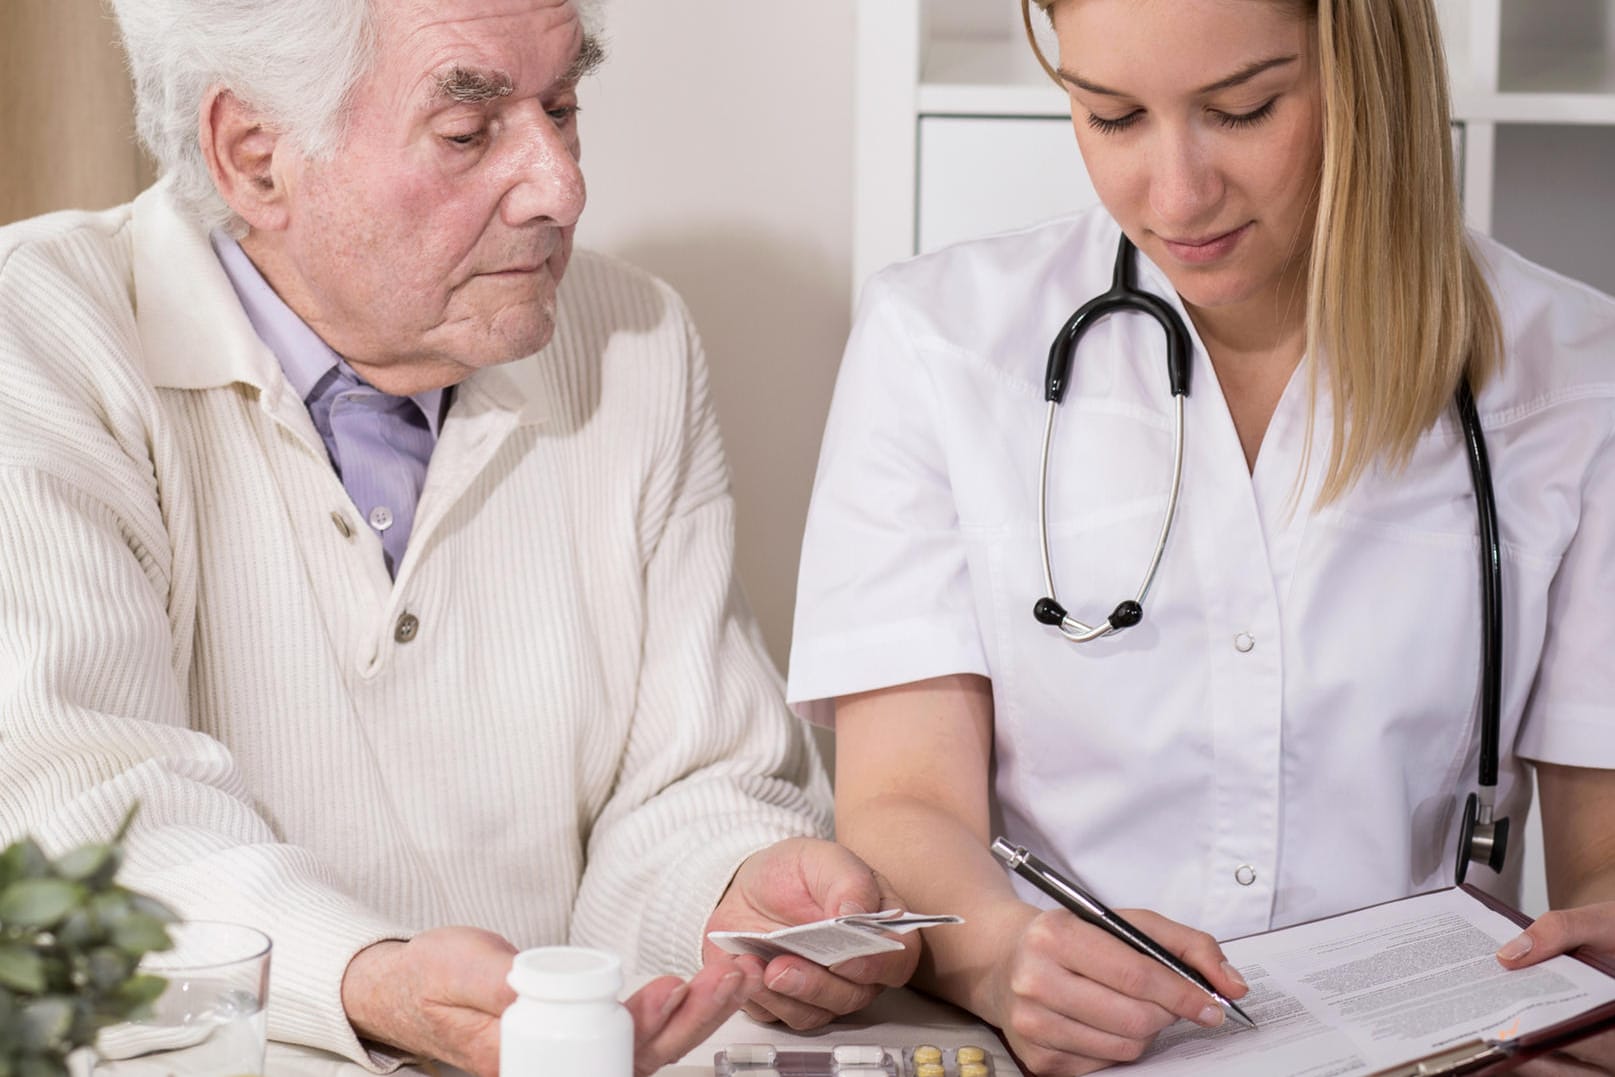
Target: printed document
x,y
1376,988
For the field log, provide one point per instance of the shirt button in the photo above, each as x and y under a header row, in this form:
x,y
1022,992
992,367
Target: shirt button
x,y
408,625
381,517
1244,642
343,528
1244,875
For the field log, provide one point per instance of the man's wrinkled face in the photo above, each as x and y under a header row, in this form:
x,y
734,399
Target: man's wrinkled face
x,y
430,243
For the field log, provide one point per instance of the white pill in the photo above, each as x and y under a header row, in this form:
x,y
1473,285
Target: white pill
x,y
859,1054
861,1071
753,1054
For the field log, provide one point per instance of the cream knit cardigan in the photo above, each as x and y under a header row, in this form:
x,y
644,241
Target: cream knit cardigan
x,y
581,738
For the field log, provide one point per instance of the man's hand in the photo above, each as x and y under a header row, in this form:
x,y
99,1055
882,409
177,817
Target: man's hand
x,y
796,882
441,994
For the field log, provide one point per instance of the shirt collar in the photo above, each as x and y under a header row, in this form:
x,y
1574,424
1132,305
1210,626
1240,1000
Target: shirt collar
x,y
303,355
195,333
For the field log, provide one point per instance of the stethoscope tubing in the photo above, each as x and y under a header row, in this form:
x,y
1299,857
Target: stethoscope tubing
x,y
1481,837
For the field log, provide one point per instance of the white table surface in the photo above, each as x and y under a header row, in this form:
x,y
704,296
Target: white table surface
x,y
897,1019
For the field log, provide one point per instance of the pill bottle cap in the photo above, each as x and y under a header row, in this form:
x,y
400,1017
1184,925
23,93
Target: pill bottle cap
x,y
566,974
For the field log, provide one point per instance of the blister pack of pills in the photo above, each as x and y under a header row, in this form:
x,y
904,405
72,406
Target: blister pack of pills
x,y
928,1061
852,1060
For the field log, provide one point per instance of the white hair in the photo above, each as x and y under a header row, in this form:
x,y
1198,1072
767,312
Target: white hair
x,y
295,61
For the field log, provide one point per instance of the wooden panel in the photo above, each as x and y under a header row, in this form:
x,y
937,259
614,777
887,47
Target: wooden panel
x,y
66,111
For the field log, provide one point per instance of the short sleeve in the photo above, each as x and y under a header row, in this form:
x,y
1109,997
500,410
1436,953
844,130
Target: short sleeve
x,y
884,594
1570,718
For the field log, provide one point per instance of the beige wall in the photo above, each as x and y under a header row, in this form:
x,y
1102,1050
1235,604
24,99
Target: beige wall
x,y
66,130
718,149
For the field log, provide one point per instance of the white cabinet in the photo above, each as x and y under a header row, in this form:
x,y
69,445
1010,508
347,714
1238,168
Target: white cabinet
x,y
959,133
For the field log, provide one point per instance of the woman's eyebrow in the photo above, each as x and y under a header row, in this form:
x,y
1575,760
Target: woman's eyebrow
x,y
1244,74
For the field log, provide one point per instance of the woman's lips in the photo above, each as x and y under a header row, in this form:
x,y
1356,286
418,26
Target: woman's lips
x,y
1205,251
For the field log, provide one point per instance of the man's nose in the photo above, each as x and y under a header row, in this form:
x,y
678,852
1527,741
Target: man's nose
x,y
547,179
1186,187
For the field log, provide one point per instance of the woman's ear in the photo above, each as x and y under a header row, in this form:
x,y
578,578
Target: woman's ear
x,y
239,147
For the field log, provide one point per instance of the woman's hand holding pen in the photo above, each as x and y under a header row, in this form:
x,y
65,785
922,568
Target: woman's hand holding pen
x,y
1072,999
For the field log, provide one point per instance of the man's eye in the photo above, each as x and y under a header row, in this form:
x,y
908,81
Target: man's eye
x,y
468,139
564,114
1110,127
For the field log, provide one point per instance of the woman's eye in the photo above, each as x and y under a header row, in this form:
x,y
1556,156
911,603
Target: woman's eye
x,y
1109,127
1246,119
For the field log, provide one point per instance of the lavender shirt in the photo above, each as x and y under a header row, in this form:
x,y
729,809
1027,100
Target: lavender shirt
x,y
380,445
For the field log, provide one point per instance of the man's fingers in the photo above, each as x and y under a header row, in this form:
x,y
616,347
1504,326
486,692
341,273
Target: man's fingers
x,y
651,1006
798,1016
1561,931
712,994
814,987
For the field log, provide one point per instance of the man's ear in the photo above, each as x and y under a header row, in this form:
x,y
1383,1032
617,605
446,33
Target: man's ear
x,y
239,147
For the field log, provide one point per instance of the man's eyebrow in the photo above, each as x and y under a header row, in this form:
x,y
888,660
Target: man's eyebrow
x,y
474,85
1244,74
591,54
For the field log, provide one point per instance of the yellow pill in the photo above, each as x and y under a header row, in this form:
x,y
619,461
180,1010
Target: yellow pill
x,y
929,1069
971,1054
926,1053
972,1069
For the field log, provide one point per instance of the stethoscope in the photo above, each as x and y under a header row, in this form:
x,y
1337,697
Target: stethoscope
x,y
1481,837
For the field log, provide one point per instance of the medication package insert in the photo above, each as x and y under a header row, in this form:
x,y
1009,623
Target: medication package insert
x,y
829,942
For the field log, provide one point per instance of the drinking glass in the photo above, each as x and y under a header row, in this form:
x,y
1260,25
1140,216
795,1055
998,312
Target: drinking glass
x,y
209,1020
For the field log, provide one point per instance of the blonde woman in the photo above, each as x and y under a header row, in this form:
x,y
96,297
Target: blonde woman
x,y
1291,728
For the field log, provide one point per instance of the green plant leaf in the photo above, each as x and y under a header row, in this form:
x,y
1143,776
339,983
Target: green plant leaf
x,y
111,907
93,865
23,860
108,967
43,1023
78,931
39,902
21,969
139,991
42,1067
153,908
138,934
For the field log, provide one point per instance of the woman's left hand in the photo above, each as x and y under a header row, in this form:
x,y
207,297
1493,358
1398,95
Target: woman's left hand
x,y
1560,932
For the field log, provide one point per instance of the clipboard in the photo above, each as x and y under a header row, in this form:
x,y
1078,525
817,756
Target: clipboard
x,y
1482,1058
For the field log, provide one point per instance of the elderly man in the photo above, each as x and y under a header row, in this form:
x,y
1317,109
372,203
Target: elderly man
x,y
387,622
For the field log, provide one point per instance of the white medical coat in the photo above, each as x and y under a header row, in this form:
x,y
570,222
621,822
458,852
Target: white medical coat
x,y
1291,730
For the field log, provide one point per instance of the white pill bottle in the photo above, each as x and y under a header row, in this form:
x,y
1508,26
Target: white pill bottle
x,y
566,1020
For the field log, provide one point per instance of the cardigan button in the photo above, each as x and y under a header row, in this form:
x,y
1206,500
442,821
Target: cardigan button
x,y
343,528
408,625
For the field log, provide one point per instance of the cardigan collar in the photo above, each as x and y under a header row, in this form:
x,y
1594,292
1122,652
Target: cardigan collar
x,y
196,335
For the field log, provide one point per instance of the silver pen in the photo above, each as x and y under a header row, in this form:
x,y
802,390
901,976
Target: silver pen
x,y
1091,909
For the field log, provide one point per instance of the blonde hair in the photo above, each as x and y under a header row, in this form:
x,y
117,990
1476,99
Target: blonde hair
x,y
1396,299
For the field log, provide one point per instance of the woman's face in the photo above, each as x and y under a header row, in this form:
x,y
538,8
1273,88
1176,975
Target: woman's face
x,y
1201,124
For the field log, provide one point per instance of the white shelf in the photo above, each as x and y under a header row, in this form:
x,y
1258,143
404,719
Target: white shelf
x,y
993,77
